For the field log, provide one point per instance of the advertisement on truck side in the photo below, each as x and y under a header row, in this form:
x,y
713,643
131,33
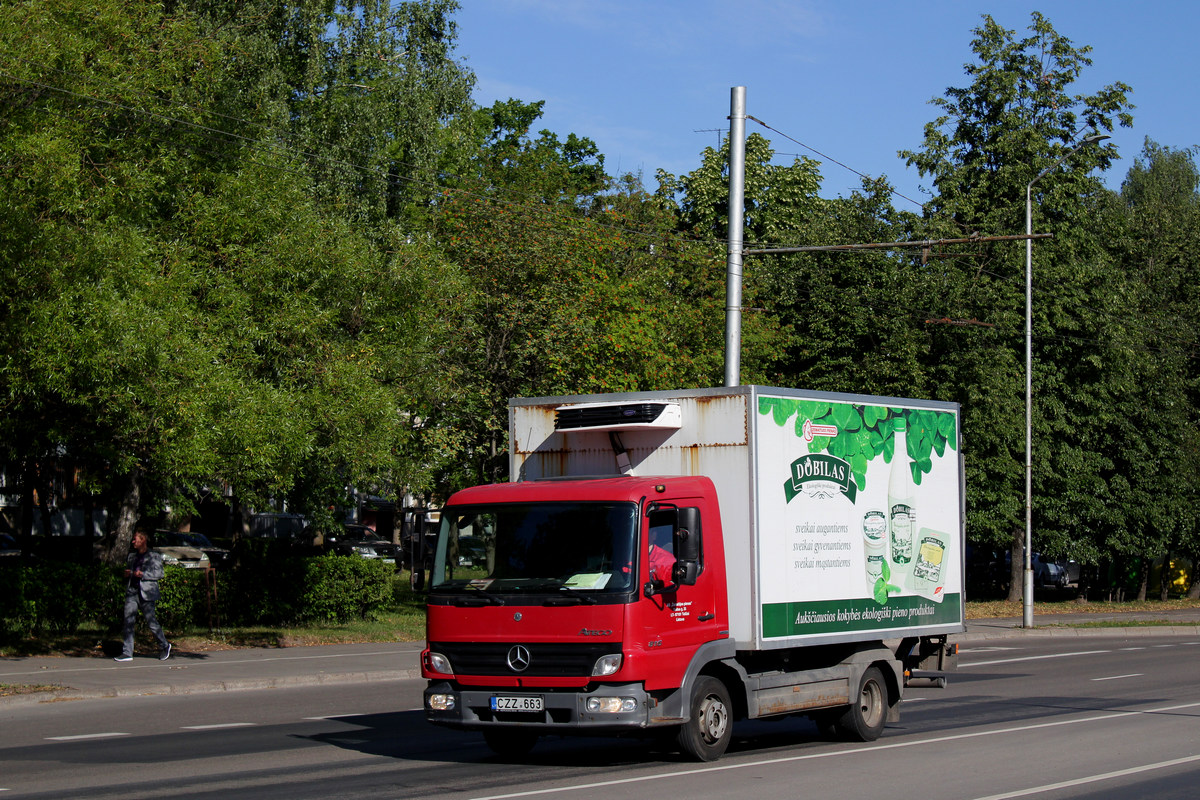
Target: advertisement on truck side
x,y
859,517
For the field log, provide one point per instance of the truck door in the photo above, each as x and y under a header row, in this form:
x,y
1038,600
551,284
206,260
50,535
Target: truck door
x,y
678,611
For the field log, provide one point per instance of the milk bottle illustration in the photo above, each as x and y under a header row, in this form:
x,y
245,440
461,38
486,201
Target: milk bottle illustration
x,y
901,515
875,529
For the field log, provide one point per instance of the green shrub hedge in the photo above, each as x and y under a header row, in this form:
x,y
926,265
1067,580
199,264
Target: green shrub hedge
x,y
261,588
56,597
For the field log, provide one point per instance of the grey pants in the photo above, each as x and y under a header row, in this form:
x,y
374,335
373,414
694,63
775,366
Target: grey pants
x,y
133,604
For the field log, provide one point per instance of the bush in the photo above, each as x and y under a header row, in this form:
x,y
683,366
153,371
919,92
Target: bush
x,y
339,588
261,589
265,588
184,599
57,597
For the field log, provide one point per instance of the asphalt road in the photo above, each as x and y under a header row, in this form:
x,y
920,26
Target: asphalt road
x,y
1050,718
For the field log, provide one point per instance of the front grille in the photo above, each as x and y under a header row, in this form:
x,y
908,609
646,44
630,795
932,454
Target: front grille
x,y
545,660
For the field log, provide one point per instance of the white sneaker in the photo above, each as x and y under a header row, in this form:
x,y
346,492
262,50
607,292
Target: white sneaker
x,y
165,654
123,658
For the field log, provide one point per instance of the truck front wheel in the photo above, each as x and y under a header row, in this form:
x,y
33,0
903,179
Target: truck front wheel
x,y
864,718
705,736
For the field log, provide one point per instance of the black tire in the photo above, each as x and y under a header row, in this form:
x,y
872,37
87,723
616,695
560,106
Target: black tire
x,y
864,718
706,735
509,743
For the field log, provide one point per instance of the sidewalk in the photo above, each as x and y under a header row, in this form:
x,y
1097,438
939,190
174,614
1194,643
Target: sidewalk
x,y
197,673
229,670
1183,622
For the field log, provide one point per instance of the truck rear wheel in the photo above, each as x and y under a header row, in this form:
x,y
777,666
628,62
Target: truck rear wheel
x,y
864,718
706,735
509,743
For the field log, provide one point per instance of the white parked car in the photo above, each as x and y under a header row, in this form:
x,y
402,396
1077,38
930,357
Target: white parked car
x,y
178,552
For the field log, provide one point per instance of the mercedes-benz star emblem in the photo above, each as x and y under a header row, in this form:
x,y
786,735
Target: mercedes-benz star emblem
x,y
518,658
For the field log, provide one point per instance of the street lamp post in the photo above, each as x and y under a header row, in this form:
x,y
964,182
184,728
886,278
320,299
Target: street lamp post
x,y
1027,595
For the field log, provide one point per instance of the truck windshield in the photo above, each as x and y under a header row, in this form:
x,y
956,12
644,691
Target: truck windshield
x,y
536,548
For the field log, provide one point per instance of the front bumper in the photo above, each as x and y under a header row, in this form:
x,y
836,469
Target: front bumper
x,y
564,711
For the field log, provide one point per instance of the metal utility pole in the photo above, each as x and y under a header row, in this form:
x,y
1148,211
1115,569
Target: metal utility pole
x,y
733,260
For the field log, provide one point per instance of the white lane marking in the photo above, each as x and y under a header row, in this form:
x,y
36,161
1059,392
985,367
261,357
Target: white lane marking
x,y
1130,649
86,736
1032,658
1121,773
1119,677
218,725
865,750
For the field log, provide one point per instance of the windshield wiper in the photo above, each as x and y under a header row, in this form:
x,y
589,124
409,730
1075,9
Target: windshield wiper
x,y
572,595
484,597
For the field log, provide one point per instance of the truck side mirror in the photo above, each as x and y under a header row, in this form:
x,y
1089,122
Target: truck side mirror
x,y
687,547
687,535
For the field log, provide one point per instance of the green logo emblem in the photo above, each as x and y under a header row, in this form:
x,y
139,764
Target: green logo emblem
x,y
820,476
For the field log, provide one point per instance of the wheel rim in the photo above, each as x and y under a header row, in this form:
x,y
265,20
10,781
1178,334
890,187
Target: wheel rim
x,y
871,704
714,719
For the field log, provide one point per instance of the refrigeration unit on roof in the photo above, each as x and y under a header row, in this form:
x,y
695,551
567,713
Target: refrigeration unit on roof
x,y
639,415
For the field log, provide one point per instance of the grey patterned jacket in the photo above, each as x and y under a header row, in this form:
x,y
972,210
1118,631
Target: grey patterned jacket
x,y
152,572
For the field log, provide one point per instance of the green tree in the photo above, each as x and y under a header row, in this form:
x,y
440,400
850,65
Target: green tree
x,y
1152,227
365,89
1016,117
564,286
187,311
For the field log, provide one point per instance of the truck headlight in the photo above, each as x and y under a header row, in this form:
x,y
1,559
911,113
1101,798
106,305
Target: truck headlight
x,y
441,702
438,663
611,705
606,665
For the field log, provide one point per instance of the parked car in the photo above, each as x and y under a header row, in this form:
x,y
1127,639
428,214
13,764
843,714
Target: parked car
x,y
359,540
9,546
1072,568
1047,574
177,551
216,555
988,571
472,552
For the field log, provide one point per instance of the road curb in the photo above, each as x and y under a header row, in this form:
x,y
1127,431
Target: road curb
x,y
1005,632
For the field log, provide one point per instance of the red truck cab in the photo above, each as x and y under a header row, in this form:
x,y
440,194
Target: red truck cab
x,y
544,617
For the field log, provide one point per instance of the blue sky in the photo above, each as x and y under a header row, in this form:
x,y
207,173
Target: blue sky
x,y
649,80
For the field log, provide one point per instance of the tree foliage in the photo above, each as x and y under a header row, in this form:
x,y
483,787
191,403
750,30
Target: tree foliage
x,y
564,285
273,249
1017,117
191,310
